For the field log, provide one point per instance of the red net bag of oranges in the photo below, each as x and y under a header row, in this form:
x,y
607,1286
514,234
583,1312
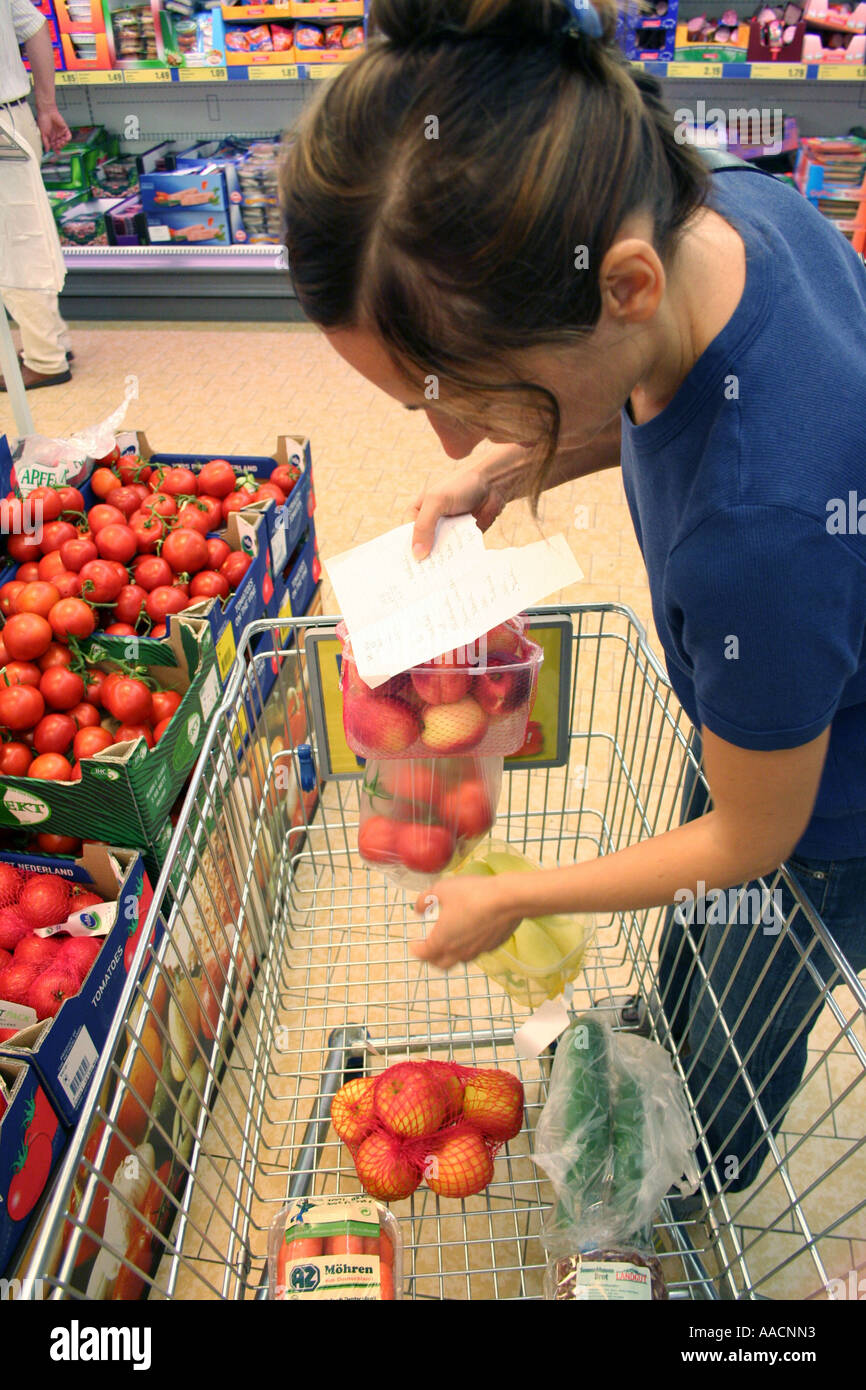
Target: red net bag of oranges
x,y
335,1248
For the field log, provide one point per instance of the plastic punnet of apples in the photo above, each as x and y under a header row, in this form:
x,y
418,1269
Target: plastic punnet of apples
x,y
473,700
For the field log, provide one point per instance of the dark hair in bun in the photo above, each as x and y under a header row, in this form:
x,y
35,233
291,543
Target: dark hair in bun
x,y
438,189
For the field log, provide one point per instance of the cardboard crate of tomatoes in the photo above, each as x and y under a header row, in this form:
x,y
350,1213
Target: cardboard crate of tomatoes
x,y
99,748
32,1140
68,933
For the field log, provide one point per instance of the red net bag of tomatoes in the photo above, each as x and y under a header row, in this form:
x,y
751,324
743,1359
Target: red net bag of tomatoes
x,y
475,700
423,816
335,1248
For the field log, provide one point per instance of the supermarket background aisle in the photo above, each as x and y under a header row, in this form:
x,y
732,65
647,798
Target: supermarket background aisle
x,y
234,391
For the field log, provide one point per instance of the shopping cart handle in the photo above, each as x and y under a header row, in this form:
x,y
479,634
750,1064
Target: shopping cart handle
x,y
307,767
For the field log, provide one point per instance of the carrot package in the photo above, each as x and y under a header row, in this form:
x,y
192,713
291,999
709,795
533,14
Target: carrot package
x,y
335,1248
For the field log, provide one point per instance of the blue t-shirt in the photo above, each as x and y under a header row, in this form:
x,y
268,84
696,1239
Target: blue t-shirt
x,y
744,494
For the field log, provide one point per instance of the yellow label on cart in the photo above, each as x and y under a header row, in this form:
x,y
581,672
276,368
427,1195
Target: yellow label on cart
x,y
778,72
148,75
285,612
203,74
841,72
226,650
282,72
239,728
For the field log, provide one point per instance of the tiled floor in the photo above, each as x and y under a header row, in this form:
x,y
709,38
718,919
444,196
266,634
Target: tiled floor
x,y
235,390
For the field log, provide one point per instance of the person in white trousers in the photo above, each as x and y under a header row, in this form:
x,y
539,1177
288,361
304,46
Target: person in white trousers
x,y
44,336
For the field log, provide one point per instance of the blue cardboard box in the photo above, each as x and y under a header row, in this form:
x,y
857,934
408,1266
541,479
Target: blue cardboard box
x,y
204,227
190,187
32,1140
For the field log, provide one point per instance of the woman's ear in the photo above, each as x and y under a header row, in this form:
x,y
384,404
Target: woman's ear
x,y
632,281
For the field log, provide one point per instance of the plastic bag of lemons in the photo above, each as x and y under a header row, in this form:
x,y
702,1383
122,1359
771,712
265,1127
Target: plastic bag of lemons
x,y
545,953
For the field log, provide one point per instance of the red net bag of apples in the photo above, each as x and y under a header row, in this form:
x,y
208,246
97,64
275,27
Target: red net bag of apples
x,y
423,816
335,1248
476,699
427,1121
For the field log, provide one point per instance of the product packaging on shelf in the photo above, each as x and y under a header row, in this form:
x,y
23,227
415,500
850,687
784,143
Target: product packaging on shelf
x,y
191,228
87,223
65,1049
200,187
32,1140
475,700
544,954
614,1137
648,33
776,34
335,1248
421,817
703,40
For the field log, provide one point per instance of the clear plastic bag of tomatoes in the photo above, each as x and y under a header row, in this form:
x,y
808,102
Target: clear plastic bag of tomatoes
x,y
335,1248
421,817
476,699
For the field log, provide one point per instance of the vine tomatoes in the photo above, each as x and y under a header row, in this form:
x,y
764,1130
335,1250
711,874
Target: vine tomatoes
x,y
62,689
185,551
127,733
217,551
285,475
68,584
176,482
130,603
85,715
116,542
15,758
235,567
21,673
72,617
8,594
47,499
28,635
217,478
164,703
165,599
49,566
209,584
78,552
37,597
55,533
103,515
57,655
23,547
125,499
104,481
148,531
87,742
100,582
54,733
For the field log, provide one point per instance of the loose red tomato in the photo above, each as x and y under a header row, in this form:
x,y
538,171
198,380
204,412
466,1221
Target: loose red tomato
x,y
51,767
21,707
141,491
194,517
91,740
8,593
128,700
209,584
217,478
58,844
57,655
78,552
62,688
103,515
151,571
125,733
20,673
54,734
116,542
164,703
15,758
158,632
4,655
27,573
165,599
104,481
178,482
285,475
130,604
268,490
235,502
50,565
120,630
47,499
148,531
125,499
27,636
23,547
85,715
72,617
235,567
217,551
100,582
68,584
37,597
160,728
185,551
71,500
55,533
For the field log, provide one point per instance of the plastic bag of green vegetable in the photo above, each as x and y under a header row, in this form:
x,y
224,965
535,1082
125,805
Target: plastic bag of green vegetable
x,y
614,1137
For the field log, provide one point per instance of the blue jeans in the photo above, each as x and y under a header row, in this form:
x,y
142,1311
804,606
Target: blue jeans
x,y
764,993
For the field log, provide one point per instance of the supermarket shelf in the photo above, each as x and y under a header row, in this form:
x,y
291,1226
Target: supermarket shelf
x,y
226,283
301,72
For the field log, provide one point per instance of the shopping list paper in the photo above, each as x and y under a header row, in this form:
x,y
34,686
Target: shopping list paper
x,y
401,611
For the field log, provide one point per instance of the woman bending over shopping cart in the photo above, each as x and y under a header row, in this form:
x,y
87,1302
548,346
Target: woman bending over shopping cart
x,y
490,200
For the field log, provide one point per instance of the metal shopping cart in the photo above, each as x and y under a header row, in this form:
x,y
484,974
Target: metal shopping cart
x,y
283,969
